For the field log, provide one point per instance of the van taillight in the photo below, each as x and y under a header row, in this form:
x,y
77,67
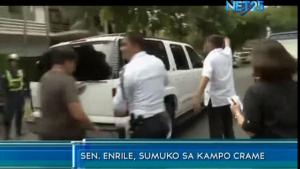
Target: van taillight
x,y
114,91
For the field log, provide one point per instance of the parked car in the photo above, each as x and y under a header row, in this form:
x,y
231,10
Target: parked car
x,y
236,62
242,57
100,75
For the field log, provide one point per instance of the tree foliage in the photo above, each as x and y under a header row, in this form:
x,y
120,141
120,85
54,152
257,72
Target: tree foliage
x,y
187,23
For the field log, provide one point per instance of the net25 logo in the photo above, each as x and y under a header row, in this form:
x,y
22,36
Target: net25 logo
x,y
243,7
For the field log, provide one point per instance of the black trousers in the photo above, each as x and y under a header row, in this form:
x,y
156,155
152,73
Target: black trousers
x,y
152,127
220,122
14,108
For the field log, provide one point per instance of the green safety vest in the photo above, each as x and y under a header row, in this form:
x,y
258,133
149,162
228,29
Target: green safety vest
x,y
15,84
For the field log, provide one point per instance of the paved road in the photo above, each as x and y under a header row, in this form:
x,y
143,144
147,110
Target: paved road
x,y
197,128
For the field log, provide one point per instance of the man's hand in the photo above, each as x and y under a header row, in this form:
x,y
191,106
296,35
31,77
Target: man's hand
x,y
235,108
122,114
197,105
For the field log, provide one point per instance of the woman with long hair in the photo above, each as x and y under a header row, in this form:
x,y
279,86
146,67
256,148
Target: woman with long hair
x,y
270,105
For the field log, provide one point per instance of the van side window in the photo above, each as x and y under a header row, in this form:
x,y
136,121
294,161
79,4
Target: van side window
x,y
157,48
179,57
195,58
152,47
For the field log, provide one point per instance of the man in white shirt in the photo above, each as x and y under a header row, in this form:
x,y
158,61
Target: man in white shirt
x,y
141,90
217,85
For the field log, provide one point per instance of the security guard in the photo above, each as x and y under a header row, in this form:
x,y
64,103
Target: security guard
x,y
141,91
13,84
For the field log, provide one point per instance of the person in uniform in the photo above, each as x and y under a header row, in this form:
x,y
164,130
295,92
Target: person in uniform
x,y
141,91
13,86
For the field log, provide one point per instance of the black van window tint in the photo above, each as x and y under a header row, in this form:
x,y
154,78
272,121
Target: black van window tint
x,y
195,58
153,47
93,61
179,57
157,48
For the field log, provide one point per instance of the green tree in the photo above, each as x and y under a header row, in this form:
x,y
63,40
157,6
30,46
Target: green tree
x,y
250,26
190,24
282,18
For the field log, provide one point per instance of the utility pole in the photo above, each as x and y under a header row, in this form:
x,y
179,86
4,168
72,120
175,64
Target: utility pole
x,y
47,21
24,11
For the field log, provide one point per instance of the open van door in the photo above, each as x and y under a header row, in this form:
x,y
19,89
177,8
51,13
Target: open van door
x,y
94,74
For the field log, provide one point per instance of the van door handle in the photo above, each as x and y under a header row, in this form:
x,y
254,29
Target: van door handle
x,y
197,76
182,78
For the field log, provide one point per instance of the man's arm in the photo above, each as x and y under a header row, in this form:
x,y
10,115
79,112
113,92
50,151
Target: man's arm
x,y
71,99
120,104
206,76
78,113
227,50
202,86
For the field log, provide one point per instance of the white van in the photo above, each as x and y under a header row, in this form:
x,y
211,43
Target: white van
x,y
289,40
98,69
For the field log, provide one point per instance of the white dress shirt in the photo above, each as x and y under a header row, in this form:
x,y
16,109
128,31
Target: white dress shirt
x,y
144,80
218,68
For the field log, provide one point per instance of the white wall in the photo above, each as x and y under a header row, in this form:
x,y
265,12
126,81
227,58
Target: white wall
x,y
35,45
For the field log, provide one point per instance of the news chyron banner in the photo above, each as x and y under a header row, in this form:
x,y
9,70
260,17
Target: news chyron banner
x,y
150,154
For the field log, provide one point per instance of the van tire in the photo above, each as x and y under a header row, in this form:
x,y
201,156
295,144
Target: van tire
x,y
170,108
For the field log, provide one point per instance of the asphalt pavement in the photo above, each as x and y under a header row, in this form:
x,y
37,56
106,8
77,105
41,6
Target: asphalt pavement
x,y
196,128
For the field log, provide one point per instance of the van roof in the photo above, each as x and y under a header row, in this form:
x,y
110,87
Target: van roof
x,y
284,33
107,38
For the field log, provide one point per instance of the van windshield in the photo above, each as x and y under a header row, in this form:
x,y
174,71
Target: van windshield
x,y
93,61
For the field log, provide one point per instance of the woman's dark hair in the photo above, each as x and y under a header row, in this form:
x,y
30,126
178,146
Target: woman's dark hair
x,y
272,62
136,38
61,54
216,40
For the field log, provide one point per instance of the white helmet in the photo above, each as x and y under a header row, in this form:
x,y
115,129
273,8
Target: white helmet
x,y
13,57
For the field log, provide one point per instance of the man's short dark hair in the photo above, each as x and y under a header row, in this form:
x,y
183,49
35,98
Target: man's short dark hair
x,y
216,40
272,62
136,38
61,54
